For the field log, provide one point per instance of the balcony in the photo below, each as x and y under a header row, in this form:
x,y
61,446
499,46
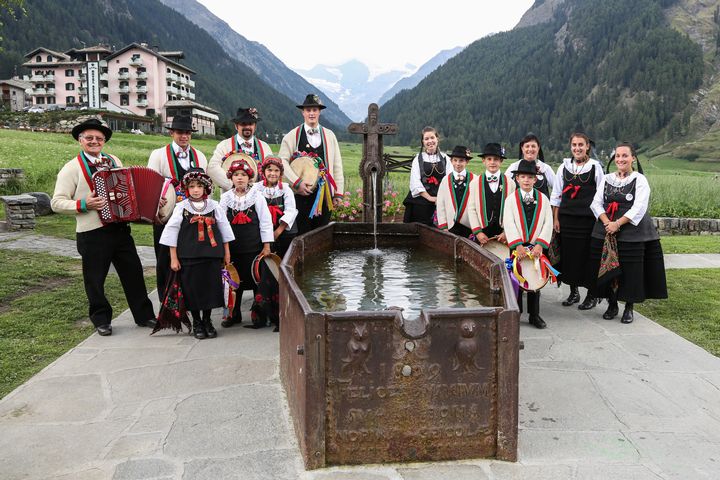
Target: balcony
x,y
173,77
104,91
124,75
191,83
104,76
124,89
136,62
51,91
39,91
173,90
191,95
142,75
82,90
141,89
142,103
50,78
37,78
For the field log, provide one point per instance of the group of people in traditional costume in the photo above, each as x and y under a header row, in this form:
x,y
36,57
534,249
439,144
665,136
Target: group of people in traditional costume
x,y
265,203
594,225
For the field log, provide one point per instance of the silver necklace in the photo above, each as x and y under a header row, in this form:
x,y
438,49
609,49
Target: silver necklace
x,y
198,210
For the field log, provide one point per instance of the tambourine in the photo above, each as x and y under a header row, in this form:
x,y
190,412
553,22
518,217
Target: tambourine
x,y
306,170
272,262
234,156
530,274
499,249
168,193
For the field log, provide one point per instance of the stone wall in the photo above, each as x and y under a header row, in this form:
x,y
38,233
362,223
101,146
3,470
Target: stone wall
x,y
687,226
10,175
19,211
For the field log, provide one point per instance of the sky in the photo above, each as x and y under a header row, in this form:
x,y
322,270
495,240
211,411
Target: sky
x,y
383,34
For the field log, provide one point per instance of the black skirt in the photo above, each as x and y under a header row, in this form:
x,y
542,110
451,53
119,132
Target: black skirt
x,y
201,283
243,264
418,209
643,271
574,249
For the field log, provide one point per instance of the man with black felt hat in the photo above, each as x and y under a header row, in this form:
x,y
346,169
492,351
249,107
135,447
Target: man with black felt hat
x,y
172,161
244,141
313,140
98,245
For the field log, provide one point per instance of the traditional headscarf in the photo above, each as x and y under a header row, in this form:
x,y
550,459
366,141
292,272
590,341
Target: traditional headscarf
x,y
272,160
198,174
240,165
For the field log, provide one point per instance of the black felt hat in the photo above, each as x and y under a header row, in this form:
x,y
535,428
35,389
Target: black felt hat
x,y
494,149
527,167
311,100
91,124
183,123
461,151
246,115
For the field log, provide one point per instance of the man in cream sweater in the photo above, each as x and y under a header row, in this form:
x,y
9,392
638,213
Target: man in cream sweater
x,y
98,245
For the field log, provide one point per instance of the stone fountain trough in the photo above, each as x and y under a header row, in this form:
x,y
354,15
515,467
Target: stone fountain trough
x,y
374,387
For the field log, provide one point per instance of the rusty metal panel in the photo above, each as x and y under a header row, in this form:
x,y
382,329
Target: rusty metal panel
x,y
508,361
391,398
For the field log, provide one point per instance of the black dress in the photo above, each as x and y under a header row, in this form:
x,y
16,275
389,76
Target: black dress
x,y
641,258
419,209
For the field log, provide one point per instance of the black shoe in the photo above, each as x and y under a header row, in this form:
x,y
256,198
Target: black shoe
x,y
611,311
627,316
230,321
276,329
574,297
537,321
588,303
209,329
199,329
104,330
150,323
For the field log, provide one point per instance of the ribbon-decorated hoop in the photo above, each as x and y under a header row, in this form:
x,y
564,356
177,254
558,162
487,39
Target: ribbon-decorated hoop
x,y
533,273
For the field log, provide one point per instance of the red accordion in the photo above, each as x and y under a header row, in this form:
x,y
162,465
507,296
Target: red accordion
x,y
132,194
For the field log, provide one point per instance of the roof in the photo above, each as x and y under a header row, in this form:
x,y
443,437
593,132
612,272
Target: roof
x,y
17,83
96,48
189,103
173,54
151,52
59,55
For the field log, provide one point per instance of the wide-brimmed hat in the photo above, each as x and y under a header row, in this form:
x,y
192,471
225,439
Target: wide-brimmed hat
x,y
233,157
246,115
91,124
527,167
461,151
182,122
311,100
199,175
494,149
306,169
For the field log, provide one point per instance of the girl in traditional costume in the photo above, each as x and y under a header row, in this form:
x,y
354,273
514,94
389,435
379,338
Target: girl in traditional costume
x,y
531,150
428,169
574,189
247,211
198,235
281,203
621,207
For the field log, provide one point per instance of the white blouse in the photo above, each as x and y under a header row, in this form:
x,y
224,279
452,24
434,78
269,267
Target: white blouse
x,y
172,229
253,197
569,165
290,210
641,200
416,186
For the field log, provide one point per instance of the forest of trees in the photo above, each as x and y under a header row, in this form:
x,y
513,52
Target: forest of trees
x,y
613,68
222,82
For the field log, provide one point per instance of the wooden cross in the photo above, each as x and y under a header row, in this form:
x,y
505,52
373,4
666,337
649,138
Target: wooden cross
x,y
372,161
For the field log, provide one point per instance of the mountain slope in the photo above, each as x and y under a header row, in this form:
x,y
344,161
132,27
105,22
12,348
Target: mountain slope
x,y
352,85
222,82
614,68
426,69
256,56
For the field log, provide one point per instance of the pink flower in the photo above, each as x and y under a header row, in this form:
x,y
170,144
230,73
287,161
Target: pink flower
x,y
394,194
388,203
346,203
347,194
342,215
359,191
351,218
354,212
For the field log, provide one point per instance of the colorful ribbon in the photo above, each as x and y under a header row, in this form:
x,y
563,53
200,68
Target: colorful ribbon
x,y
241,219
276,213
542,264
202,221
612,210
513,280
574,188
433,181
324,192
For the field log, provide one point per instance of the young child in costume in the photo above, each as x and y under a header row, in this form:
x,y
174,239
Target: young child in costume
x,y
247,211
281,203
488,194
198,235
453,195
528,223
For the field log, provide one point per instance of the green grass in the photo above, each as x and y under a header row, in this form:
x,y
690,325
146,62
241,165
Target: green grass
x,y
693,313
43,312
691,244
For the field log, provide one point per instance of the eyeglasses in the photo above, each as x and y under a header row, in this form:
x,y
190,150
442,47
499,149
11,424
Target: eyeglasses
x,y
90,138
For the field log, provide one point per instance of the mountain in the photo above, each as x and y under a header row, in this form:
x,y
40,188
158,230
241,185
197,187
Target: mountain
x,y
256,56
352,85
223,83
426,69
616,69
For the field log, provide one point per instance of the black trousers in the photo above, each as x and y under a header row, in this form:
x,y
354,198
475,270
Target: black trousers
x,y
304,222
112,244
162,261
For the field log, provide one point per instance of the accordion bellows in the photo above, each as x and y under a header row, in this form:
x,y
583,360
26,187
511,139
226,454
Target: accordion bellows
x,y
132,194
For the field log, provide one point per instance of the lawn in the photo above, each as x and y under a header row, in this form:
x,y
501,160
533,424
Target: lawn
x,y
43,312
691,244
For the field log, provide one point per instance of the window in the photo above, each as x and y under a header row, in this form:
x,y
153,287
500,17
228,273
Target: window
x,y
50,100
38,59
69,100
124,100
69,73
69,86
40,101
49,58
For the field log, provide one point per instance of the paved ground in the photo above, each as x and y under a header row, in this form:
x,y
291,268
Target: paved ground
x,y
598,400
